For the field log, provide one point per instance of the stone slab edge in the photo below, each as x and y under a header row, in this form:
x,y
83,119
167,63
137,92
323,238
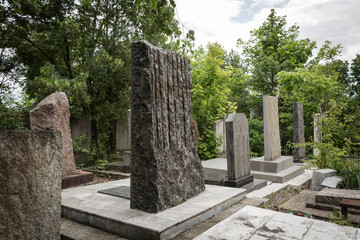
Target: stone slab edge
x,y
136,232
275,166
280,177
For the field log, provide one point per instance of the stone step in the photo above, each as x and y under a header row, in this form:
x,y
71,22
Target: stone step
x,y
333,196
275,166
111,174
280,177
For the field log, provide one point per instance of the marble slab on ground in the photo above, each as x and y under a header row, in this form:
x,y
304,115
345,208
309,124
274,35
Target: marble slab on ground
x,y
258,223
113,214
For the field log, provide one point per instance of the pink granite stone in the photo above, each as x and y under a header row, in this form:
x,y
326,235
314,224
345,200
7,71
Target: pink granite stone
x,y
53,113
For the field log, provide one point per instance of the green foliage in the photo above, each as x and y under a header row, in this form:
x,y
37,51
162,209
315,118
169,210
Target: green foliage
x,y
273,48
98,157
256,137
84,49
210,96
339,220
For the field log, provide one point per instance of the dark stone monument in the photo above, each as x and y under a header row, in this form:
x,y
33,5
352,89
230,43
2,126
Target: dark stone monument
x,y
30,184
299,132
165,167
238,150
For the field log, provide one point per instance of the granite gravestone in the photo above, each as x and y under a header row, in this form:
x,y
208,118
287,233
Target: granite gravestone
x,y
165,167
317,132
299,132
53,113
272,144
238,150
30,184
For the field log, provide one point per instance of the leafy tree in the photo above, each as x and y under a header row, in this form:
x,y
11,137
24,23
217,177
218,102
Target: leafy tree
x,y
209,98
83,48
273,48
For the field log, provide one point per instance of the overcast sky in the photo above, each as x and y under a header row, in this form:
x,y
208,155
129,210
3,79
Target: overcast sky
x,y
224,21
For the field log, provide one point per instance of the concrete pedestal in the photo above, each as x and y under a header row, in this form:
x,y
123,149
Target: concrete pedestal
x,y
113,214
279,170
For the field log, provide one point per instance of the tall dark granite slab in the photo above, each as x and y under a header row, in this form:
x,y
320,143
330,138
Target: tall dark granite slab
x,y
299,131
165,167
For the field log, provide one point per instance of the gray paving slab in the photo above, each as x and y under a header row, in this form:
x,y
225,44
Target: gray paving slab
x,y
113,214
258,223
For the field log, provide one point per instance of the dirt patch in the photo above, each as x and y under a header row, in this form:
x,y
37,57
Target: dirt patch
x,y
277,199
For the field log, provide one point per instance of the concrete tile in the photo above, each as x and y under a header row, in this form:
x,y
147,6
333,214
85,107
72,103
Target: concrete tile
x,y
342,232
272,229
263,192
294,220
313,234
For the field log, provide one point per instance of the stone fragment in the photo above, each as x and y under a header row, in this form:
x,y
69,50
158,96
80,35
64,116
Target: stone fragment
x,y
331,182
53,113
299,132
238,150
30,184
272,144
165,167
319,176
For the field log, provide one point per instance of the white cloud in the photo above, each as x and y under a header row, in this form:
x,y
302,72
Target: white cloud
x,y
224,21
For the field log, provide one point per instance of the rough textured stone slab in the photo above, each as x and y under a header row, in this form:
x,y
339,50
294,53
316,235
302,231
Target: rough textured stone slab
x,y
272,144
30,184
122,191
299,131
53,113
237,146
166,169
319,176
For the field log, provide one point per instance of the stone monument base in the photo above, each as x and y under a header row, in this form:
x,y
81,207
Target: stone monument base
x,y
215,171
239,182
279,170
80,177
113,214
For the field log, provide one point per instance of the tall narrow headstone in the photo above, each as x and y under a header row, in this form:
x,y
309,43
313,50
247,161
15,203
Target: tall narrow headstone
x,y
165,167
272,144
30,184
220,131
299,132
238,150
317,131
53,113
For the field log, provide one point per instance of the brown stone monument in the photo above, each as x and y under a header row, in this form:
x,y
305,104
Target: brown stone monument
x,y
165,167
53,113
